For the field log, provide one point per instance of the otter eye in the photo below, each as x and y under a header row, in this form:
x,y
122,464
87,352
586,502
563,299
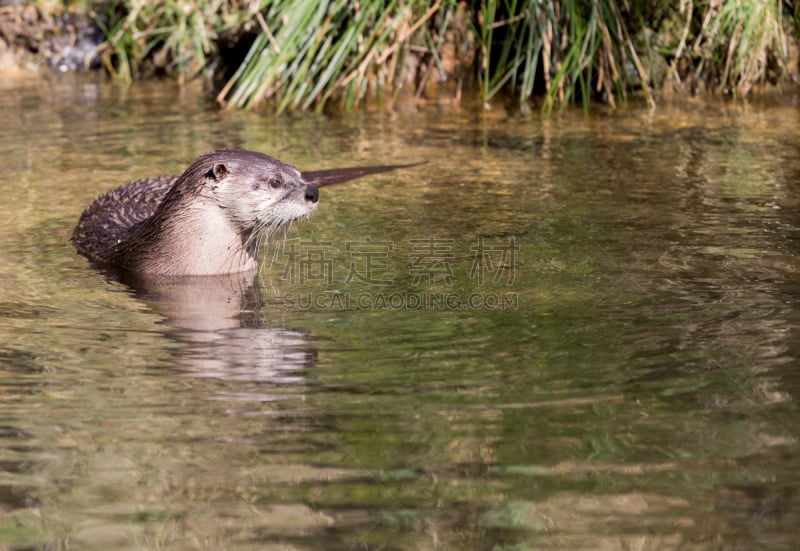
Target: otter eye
x,y
275,183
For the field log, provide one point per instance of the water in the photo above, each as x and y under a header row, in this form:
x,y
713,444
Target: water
x,y
575,333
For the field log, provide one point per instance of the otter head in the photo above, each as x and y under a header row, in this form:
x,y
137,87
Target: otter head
x,y
214,217
256,192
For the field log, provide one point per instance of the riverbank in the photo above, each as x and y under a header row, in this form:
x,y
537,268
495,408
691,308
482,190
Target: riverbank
x,y
294,55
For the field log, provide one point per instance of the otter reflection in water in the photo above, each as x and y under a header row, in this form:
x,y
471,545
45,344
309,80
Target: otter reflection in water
x,y
219,325
208,221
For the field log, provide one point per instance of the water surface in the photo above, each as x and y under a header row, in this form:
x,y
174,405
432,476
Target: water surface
x,y
574,333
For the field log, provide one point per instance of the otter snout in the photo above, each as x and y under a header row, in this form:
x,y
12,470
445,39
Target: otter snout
x,y
312,193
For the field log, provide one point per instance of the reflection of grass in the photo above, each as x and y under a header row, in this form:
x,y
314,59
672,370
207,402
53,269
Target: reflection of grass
x,y
300,54
516,515
21,529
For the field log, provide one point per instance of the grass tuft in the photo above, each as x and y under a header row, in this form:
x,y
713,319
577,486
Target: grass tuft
x,y
737,41
174,37
300,54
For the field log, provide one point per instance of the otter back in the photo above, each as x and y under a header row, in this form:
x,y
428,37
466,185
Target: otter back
x,y
110,218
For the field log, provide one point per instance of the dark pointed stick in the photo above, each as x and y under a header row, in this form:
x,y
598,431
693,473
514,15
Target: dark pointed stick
x,y
322,178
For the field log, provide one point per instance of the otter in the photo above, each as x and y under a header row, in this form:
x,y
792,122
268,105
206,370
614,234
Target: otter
x,y
210,220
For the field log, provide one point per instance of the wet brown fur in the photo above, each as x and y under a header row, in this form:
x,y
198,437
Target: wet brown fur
x,y
207,220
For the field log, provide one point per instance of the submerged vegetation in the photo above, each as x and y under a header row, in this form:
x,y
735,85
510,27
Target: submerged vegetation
x,y
302,54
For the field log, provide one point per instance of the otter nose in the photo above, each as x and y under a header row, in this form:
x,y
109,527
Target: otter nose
x,y
312,193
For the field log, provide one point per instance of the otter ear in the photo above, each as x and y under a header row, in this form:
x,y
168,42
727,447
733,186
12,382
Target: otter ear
x,y
217,172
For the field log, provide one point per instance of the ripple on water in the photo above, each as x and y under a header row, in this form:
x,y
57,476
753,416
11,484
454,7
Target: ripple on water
x,y
641,387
